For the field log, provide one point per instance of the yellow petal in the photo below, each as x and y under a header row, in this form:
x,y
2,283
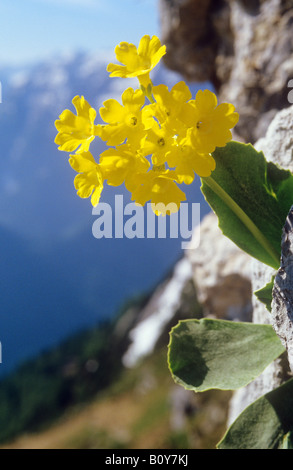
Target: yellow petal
x,y
134,100
144,44
203,165
225,114
96,195
112,111
83,108
205,101
114,134
126,53
87,183
117,70
181,92
69,143
66,121
82,162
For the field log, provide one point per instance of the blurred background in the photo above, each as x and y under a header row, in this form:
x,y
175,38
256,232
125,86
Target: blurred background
x,y
57,280
55,276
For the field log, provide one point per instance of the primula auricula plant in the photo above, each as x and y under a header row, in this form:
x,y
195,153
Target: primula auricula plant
x,y
158,139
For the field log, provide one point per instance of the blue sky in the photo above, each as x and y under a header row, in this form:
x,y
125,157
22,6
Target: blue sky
x,y
34,30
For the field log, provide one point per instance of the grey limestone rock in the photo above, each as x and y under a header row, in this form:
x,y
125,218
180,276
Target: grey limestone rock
x,y
277,146
221,273
243,47
282,303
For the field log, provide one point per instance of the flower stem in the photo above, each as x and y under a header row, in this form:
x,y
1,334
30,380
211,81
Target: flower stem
x,y
245,219
146,86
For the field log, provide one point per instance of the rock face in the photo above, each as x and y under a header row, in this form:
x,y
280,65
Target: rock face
x,y
243,47
277,146
224,278
282,303
173,299
217,275
221,273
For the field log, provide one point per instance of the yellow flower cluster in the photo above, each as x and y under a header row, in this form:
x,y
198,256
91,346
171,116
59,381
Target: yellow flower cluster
x,y
154,146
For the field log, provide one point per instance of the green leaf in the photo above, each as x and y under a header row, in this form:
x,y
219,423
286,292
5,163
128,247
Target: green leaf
x,y
265,294
220,354
266,424
251,198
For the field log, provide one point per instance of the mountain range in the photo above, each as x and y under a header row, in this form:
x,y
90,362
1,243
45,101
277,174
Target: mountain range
x,y
56,277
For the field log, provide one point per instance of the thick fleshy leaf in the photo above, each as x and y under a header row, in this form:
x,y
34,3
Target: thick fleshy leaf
x,y
251,198
220,354
266,424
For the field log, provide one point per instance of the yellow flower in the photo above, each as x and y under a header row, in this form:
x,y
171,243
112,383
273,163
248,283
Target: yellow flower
x,y
186,159
176,133
76,130
159,187
159,141
210,123
89,181
169,104
125,122
122,165
138,62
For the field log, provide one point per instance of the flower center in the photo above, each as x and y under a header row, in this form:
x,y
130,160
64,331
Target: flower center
x,y
133,121
161,142
159,168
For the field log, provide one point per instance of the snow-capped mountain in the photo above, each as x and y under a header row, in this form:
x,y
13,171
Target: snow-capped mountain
x,y
55,276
